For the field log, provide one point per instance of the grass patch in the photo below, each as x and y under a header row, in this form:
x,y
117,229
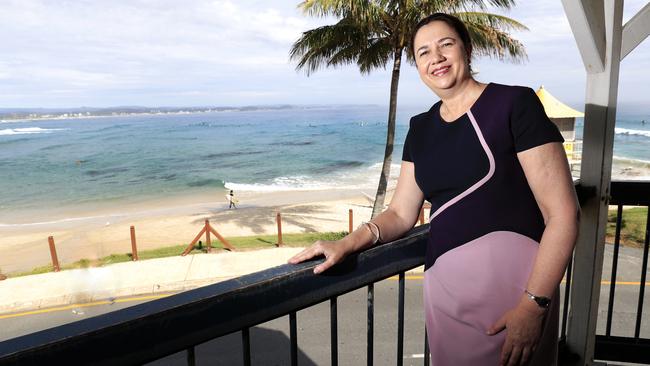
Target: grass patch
x,y
37,270
290,240
632,226
239,242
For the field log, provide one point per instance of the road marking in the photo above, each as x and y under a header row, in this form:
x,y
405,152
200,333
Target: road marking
x,y
638,283
408,277
84,305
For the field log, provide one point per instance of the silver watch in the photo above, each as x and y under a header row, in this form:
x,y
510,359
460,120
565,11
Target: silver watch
x,y
541,301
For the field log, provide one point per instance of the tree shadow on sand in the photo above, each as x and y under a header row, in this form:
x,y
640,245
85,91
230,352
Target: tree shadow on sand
x,y
256,219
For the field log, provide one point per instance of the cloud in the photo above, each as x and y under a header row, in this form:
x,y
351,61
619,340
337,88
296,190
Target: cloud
x,y
80,43
198,52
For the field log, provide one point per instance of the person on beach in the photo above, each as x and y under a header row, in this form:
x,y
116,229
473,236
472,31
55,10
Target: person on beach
x,y
504,213
232,200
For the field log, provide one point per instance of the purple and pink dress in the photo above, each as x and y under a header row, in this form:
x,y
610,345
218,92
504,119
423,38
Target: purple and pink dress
x,y
485,222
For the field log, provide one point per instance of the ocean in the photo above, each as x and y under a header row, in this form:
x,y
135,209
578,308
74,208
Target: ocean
x,y
49,165
631,139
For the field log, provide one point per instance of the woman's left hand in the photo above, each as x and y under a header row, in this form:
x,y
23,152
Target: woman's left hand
x,y
524,324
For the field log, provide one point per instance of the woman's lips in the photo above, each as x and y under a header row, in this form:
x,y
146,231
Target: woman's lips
x,y
440,71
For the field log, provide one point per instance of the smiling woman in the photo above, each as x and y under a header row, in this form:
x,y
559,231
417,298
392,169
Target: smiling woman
x,y
492,284
503,210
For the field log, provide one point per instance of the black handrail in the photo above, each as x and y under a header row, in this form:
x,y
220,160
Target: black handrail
x,y
632,193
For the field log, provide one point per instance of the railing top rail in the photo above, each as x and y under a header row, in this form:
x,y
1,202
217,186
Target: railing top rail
x,y
161,327
628,192
634,193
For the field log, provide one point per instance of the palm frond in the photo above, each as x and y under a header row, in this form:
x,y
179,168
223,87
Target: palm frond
x,y
492,20
452,6
331,45
375,55
361,10
370,30
494,43
490,37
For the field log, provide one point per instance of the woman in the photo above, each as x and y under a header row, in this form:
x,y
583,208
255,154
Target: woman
x,y
504,213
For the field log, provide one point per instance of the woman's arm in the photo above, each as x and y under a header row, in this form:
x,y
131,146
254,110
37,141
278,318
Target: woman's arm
x,y
404,209
548,175
401,215
547,171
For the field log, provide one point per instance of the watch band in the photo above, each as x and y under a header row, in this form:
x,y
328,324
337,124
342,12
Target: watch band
x,y
541,301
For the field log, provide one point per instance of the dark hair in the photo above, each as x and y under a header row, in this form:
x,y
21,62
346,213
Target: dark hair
x,y
455,23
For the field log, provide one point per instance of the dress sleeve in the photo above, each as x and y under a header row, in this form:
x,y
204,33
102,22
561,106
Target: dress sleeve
x,y
529,125
406,153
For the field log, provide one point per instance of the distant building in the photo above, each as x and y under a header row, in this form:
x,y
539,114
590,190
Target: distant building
x,y
564,118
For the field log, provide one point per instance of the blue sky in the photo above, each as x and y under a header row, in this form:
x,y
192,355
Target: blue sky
x,y
200,52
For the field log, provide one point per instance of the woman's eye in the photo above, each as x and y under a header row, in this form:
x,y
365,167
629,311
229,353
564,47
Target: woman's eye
x,y
423,53
447,44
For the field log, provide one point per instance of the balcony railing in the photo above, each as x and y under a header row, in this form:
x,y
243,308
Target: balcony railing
x,y
634,348
159,328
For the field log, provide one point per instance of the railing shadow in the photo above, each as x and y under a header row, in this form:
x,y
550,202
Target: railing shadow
x,y
269,347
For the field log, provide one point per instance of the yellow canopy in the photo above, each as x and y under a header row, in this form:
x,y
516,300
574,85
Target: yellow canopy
x,y
553,107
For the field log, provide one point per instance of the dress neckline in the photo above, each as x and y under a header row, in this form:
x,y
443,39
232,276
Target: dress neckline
x,y
462,116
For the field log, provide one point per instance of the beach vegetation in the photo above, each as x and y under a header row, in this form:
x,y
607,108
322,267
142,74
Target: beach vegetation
x,y
37,270
372,34
243,243
633,226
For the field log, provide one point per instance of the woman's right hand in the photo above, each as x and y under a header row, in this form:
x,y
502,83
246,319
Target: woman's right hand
x,y
334,252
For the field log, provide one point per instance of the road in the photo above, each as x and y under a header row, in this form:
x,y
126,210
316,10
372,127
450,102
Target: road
x,y
270,342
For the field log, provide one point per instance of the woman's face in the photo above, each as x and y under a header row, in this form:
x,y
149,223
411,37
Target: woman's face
x,y
440,56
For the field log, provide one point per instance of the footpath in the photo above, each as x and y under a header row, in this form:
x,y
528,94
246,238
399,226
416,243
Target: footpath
x,y
150,276
171,274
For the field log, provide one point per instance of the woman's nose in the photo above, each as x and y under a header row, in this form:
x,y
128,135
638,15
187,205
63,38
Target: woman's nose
x,y
437,56
434,59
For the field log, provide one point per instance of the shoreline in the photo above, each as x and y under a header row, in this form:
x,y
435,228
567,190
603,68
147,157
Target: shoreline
x,y
102,211
35,213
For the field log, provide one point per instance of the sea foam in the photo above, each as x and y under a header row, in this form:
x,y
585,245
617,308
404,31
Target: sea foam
x,y
27,131
627,131
356,178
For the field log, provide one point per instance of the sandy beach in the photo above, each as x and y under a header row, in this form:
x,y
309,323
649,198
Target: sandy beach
x,y
630,169
81,233
172,222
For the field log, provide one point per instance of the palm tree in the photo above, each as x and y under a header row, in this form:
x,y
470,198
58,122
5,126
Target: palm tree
x,y
370,33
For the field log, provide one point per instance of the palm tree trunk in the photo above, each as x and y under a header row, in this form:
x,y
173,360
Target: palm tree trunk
x,y
390,135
